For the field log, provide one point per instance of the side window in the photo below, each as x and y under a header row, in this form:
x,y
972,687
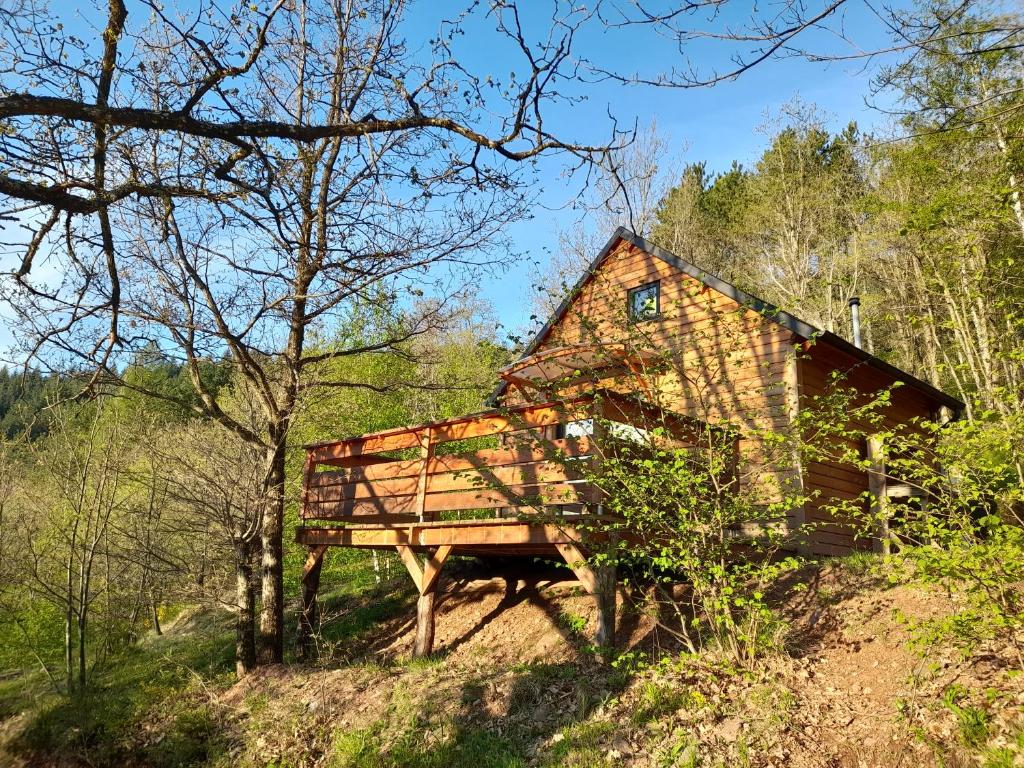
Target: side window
x,y
580,428
644,302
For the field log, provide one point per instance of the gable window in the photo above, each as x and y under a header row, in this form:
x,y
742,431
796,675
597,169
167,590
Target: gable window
x,y
644,302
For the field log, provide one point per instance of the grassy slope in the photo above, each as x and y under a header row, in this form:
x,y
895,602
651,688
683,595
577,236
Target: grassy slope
x,y
101,726
521,689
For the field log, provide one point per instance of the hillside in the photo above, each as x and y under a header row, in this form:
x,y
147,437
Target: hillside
x,y
514,684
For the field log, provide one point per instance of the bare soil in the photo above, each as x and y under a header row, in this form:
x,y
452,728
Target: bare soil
x,y
847,692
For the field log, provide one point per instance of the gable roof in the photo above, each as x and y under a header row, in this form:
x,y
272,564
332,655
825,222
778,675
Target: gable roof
x,y
796,325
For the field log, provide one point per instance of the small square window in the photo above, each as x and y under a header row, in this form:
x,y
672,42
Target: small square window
x,y
644,302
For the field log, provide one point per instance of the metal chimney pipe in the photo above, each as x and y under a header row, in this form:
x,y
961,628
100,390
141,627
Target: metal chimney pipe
x,y
855,319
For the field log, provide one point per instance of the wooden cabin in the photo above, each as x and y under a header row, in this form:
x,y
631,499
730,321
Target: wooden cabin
x,y
643,337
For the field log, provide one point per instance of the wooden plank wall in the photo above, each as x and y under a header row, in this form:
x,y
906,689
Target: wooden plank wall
x,y
832,480
729,362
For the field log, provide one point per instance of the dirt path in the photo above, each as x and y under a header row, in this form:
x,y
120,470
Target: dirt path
x,y
855,673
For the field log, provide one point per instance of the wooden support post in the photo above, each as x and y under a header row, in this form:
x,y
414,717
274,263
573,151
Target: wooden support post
x,y
308,470
425,575
309,613
605,596
576,560
432,568
424,643
412,564
798,515
426,439
879,497
599,581
598,435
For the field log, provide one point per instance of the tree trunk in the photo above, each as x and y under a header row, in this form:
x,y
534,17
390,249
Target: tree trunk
x,y
156,615
81,649
272,574
245,621
69,619
83,604
1008,163
69,614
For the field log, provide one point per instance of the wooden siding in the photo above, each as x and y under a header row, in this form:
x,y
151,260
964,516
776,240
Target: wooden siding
x,y
834,481
728,363
732,365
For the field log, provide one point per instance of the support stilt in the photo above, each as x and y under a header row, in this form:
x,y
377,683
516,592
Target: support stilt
x,y
599,581
309,614
425,575
605,596
424,644
879,497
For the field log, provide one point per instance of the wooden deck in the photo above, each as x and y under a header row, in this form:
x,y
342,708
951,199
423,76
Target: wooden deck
x,y
509,482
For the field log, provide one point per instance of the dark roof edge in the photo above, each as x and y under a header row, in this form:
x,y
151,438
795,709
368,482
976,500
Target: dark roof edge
x,y
794,324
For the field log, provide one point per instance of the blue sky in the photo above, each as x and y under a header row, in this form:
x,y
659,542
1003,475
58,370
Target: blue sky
x,y
716,125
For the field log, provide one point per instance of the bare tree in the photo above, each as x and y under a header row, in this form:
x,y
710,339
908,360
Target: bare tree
x,y
65,525
214,491
713,48
219,204
210,94
627,190
7,474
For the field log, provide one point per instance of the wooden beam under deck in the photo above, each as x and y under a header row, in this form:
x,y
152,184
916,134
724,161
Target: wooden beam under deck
x,y
464,536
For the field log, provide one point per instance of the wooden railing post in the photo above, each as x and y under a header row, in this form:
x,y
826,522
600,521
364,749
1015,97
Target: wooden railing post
x,y
877,490
307,480
599,438
426,438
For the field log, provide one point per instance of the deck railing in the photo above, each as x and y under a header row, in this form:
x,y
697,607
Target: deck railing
x,y
416,473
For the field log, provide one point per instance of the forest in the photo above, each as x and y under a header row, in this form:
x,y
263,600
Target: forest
x,y
199,288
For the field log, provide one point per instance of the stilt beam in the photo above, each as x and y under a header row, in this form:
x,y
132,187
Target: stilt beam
x,y
577,561
412,565
432,568
424,644
605,596
599,581
425,575
879,497
309,614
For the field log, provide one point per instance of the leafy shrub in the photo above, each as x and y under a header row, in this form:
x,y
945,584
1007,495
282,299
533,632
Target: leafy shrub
x,y
965,534
685,512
